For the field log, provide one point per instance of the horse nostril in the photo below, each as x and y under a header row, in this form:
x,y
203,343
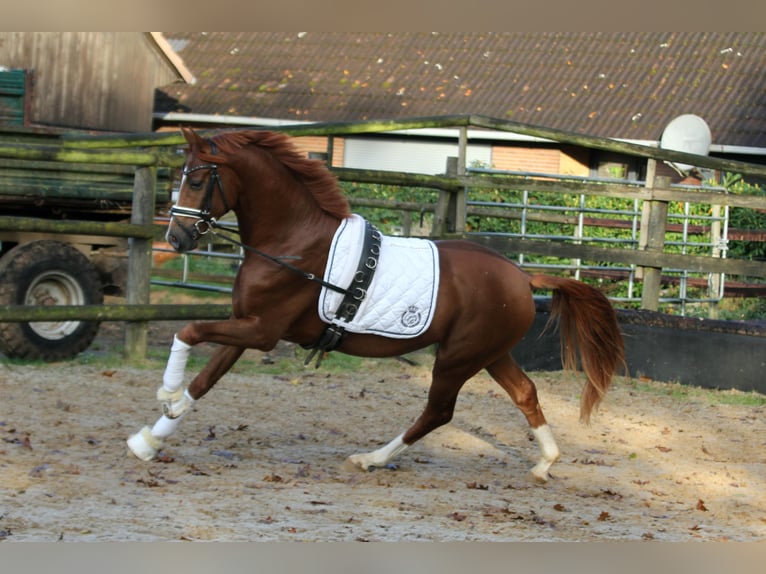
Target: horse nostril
x,y
173,240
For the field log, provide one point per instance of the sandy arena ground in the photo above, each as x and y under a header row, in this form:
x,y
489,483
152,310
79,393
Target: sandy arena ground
x,y
262,458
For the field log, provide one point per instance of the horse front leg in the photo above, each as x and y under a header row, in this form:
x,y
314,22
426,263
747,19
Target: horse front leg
x,y
175,400
234,335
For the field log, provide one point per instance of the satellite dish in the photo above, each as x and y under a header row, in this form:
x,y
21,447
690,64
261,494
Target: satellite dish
x,y
687,133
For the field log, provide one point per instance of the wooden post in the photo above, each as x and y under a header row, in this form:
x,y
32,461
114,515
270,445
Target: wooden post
x,y
653,225
140,260
460,195
444,212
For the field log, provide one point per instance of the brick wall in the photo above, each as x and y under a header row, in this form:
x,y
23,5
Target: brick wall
x,y
308,144
567,161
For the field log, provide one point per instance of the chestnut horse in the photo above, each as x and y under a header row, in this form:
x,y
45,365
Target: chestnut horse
x,y
288,209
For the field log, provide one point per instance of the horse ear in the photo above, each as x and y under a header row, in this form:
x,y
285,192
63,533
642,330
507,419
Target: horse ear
x,y
191,137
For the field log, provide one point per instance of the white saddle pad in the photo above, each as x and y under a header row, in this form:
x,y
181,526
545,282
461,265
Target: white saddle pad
x,y
401,299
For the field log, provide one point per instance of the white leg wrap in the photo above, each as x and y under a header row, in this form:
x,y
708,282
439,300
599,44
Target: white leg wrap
x,y
144,445
548,449
380,457
164,427
175,408
174,371
175,402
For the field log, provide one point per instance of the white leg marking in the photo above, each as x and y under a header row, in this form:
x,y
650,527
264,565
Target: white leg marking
x,y
549,451
380,457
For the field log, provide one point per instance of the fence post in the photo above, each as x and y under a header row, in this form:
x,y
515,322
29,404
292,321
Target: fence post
x,y
460,195
446,205
653,226
140,260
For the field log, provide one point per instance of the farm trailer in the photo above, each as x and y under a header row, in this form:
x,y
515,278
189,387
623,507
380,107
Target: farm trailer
x,y
49,255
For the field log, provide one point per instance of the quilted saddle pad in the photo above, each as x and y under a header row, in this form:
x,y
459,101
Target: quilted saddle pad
x,y
401,299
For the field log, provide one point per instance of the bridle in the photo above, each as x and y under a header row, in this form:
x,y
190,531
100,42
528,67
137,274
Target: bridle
x,y
204,217
206,223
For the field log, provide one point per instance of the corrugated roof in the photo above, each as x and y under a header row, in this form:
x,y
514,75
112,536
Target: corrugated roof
x,y
622,85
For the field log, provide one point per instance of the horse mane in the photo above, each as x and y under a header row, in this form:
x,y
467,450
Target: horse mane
x,y
313,173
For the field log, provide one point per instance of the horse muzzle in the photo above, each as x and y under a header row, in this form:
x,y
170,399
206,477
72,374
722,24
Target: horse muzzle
x,y
181,237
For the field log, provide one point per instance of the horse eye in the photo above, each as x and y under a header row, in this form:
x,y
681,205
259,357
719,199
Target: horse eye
x,y
195,185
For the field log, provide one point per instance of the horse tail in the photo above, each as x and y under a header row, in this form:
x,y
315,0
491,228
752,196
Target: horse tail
x,y
589,332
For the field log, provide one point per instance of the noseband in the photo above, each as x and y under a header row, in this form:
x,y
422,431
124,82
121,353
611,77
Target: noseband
x,y
204,219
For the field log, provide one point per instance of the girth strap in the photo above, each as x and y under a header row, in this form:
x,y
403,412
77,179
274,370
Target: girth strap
x,y
365,271
333,334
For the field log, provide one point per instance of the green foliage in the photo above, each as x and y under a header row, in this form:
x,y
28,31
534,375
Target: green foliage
x,y
748,219
390,220
593,220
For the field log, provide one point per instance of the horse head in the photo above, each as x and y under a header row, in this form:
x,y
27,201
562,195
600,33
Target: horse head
x,y
201,197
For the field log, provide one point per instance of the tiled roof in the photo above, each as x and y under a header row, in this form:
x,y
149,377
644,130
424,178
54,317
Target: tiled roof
x,y
623,85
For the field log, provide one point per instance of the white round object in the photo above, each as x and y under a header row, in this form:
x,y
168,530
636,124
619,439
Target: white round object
x,y
687,133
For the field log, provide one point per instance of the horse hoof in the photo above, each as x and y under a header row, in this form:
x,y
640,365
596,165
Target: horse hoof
x,y
143,445
359,462
540,475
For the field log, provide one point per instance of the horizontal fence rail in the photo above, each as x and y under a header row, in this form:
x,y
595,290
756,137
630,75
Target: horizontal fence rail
x,y
645,251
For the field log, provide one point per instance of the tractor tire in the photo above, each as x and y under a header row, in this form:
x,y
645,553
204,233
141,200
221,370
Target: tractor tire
x,y
48,273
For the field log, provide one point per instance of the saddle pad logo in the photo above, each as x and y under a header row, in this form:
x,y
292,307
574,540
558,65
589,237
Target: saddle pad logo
x,y
411,317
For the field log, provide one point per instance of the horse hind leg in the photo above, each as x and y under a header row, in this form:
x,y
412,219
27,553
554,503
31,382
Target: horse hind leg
x,y
440,407
522,391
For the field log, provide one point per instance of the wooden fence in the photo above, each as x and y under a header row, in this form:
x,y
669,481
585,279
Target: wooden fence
x,y
150,151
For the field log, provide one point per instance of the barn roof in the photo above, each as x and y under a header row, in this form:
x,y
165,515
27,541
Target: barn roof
x,y
171,57
620,85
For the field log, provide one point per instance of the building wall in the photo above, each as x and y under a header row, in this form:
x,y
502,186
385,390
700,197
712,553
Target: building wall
x,y
574,161
532,159
93,80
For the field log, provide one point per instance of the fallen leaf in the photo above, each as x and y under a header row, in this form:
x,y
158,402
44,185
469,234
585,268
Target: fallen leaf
x,y
603,516
197,471
663,448
701,505
458,516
